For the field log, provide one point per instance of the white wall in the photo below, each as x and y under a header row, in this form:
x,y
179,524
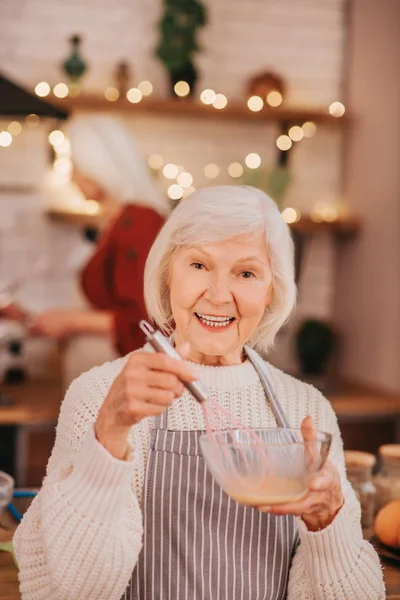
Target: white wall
x,y
303,40
368,272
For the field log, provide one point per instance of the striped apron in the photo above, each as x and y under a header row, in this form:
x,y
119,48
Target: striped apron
x,y
199,543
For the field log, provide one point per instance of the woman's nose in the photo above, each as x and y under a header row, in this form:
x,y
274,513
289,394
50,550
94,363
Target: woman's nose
x,y
219,290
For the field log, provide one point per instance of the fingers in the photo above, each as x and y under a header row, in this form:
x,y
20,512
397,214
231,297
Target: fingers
x,y
167,381
140,410
324,491
163,362
149,383
296,508
308,430
321,482
151,395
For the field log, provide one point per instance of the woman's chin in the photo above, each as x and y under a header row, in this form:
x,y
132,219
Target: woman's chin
x,y
208,345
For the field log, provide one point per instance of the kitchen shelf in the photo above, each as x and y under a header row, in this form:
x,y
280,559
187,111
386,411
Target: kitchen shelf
x,y
305,225
341,227
73,218
192,108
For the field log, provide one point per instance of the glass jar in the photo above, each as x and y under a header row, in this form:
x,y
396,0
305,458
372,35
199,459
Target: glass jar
x,y
359,467
387,480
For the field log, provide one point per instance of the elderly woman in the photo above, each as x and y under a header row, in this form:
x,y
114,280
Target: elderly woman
x,y
128,508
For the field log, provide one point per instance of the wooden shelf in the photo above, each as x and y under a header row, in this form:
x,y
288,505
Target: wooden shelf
x,y
340,227
305,225
76,219
193,108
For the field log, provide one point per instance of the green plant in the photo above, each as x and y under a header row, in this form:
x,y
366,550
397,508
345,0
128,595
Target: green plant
x,y
178,44
315,344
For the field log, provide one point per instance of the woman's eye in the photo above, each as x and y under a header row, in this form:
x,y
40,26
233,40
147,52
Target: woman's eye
x,y
197,265
247,274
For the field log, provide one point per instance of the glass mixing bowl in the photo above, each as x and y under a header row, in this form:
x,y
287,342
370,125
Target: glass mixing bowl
x,y
265,466
6,489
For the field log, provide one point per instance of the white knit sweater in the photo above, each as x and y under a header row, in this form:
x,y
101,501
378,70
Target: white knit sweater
x,y
82,535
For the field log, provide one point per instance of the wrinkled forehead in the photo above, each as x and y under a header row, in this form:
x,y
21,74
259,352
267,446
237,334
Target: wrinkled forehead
x,y
240,248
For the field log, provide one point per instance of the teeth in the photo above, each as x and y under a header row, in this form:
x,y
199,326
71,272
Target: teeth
x,y
212,318
215,321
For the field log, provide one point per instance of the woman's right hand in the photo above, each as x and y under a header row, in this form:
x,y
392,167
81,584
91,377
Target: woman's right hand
x,y
146,387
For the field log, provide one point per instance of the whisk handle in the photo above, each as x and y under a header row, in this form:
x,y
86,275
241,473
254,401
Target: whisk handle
x,y
161,344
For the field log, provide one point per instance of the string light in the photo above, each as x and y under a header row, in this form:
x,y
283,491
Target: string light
x,y
324,211
309,128
62,166
14,128
145,87
155,161
330,214
60,90
235,170
63,149
5,139
284,142
56,137
211,171
296,133
291,215
185,179
253,160
255,103
32,120
111,94
207,96
170,171
274,98
182,89
134,95
315,216
220,101
337,109
175,191
42,89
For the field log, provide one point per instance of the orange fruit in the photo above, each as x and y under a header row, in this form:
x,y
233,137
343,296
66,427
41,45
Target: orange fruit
x,y
387,524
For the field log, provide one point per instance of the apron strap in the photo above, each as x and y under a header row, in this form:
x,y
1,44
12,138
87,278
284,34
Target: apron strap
x,y
263,369
161,421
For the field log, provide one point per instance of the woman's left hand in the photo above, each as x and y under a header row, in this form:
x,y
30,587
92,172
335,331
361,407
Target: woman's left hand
x,y
324,498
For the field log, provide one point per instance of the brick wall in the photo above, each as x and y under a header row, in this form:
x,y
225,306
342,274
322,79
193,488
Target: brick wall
x,y
301,39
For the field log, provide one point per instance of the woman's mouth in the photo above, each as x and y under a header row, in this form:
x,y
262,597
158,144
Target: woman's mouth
x,y
214,321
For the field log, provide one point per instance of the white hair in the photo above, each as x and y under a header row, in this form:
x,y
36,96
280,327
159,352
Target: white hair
x,y
103,149
215,214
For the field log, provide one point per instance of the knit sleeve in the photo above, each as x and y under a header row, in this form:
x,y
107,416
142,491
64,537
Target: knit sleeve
x,y
82,534
336,563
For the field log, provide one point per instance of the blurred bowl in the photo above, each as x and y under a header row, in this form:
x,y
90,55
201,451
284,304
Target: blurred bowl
x,y
273,470
6,489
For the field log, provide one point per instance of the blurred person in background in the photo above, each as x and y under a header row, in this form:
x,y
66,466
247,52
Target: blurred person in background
x,y
107,167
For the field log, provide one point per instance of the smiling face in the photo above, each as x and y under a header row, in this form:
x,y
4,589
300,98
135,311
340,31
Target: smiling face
x,y
218,294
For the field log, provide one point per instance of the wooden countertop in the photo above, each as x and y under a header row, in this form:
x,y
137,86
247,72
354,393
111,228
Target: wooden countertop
x,y
39,402
356,400
34,402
